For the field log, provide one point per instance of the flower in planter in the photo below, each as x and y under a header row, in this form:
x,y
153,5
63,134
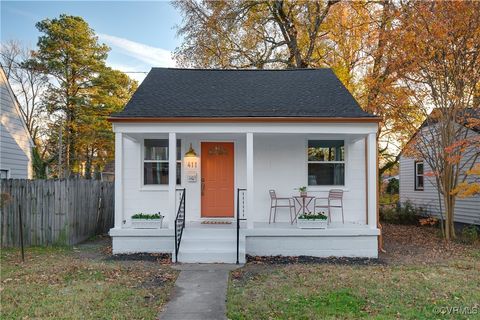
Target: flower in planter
x,y
145,216
313,216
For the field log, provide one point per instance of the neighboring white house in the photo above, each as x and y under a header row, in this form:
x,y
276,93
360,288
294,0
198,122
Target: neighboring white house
x,y
421,190
252,130
15,141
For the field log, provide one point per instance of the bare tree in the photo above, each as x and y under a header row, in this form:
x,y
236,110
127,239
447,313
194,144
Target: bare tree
x,y
28,84
252,34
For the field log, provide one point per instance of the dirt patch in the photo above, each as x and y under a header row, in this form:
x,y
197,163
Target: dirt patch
x,y
406,244
252,271
100,249
158,280
97,248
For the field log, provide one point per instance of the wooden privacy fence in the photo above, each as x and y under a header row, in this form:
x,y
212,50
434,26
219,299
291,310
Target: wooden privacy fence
x,y
55,212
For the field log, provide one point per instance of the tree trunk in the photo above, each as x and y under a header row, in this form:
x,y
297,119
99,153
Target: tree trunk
x,y
60,152
449,201
449,224
88,164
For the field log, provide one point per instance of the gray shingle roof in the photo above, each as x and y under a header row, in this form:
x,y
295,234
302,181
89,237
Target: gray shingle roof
x,y
174,93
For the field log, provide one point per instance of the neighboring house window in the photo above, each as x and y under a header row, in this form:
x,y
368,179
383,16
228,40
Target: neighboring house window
x,y
418,175
155,161
3,174
326,162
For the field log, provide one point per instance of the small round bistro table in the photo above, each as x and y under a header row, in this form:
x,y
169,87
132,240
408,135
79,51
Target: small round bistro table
x,y
303,202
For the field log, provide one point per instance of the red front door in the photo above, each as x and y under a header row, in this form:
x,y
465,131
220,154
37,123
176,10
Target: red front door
x,y
217,183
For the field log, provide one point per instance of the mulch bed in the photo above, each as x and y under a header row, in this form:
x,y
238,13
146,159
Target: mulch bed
x,y
309,259
162,258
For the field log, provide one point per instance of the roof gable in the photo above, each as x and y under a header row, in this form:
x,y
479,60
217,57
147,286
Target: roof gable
x,y
464,118
213,93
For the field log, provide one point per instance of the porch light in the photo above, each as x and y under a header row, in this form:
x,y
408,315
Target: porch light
x,y
190,153
191,164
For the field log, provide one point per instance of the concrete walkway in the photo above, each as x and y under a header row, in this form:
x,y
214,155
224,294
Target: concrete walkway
x,y
200,292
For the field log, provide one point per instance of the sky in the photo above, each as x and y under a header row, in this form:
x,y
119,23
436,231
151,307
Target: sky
x,y
141,34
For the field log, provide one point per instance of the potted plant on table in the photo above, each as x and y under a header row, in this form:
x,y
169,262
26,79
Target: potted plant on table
x,y
147,221
312,221
303,191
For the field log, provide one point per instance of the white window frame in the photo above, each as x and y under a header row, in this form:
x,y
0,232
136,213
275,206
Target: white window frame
x,y
416,175
8,172
328,162
159,186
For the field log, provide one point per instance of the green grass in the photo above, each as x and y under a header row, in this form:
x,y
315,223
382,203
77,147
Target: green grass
x,y
351,292
61,283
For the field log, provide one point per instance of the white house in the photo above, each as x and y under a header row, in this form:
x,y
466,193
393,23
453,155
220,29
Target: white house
x,y
421,191
15,141
250,131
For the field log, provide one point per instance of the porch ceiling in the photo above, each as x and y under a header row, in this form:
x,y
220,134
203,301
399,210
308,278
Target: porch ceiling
x,y
136,136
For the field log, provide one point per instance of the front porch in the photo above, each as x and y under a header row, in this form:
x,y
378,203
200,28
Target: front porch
x,y
266,156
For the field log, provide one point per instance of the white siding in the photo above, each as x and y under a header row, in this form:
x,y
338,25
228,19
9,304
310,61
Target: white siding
x,y
466,210
279,163
15,142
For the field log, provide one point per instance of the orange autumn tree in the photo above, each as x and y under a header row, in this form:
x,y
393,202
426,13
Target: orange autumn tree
x,y
439,59
470,188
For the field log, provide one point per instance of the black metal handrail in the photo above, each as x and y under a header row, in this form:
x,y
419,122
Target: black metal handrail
x,y
180,222
242,191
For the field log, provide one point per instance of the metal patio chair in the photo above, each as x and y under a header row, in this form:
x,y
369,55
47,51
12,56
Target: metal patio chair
x,y
274,204
334,195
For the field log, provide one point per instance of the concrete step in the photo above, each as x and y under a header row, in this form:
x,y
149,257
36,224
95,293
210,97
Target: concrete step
x,y
210,233
210,256
205,244
211,245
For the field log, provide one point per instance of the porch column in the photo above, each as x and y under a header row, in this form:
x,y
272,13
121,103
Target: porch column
x,y
118,180
250,191
372,179
172,177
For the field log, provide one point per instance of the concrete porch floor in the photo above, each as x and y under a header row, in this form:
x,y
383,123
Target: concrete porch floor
x,y
286,228
266,225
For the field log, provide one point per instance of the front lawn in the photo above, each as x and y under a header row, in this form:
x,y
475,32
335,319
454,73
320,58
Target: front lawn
x,y
410,281
81,283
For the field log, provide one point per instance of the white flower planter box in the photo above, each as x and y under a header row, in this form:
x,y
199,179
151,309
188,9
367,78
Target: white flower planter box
x,y
147,223
311,224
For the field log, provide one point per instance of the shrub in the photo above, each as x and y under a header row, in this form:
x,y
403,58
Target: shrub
x,y
470,234
388,214
408,214
393,186
405,214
